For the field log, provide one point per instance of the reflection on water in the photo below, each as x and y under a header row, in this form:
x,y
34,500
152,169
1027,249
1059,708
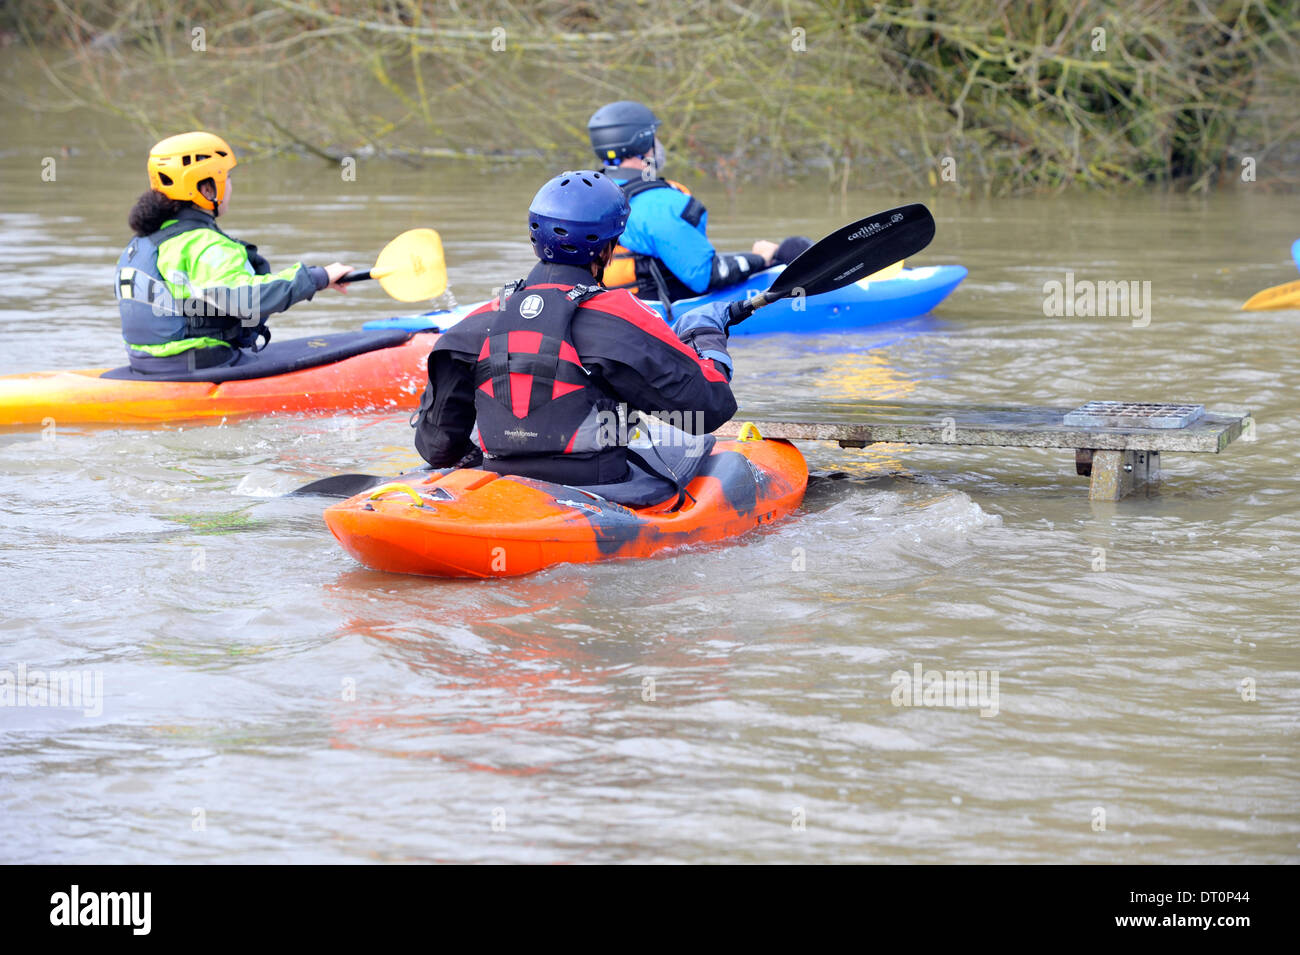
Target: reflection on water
x,y
863,376
686,708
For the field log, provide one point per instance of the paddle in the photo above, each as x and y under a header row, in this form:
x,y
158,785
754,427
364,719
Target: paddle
x,y
1295,252
411,268
339,485
856,251
1279,296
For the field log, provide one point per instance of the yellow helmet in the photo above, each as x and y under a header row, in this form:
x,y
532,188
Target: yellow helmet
x,y
179,163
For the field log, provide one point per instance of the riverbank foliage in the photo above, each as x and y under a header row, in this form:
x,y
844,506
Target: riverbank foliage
x,y
989,96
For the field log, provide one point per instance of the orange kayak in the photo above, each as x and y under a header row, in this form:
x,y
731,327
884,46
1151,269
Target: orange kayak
x,y
471,523
379,378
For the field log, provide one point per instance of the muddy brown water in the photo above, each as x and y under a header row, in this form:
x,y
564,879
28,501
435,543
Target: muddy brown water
x,y
260,697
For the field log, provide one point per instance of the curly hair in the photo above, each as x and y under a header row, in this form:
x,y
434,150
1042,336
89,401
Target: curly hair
x,y
151,210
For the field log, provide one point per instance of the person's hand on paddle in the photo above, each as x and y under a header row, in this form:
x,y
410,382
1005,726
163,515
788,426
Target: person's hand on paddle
x,y
766,249
784,252
336,271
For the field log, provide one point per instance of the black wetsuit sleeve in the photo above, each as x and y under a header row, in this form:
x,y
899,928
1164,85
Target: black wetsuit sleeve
x,y
445,421
670,390
732,268
649,368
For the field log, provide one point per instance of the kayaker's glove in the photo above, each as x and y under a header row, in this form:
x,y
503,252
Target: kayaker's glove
x,y
705,330
790,249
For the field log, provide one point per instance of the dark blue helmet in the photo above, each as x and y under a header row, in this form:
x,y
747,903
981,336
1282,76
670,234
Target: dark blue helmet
x,y
575,215
622,129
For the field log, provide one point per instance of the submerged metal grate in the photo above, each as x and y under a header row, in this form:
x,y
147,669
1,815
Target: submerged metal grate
x,y
1132,414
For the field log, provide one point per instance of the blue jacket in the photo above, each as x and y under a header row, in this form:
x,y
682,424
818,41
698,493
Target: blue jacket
x,y
665,250
661,226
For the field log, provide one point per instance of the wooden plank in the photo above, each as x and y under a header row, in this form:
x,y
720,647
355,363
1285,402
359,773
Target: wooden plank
x,y
867,423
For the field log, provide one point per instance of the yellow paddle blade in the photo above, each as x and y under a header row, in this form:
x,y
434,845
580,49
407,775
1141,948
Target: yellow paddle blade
x,y
888,272
412,268
1279,296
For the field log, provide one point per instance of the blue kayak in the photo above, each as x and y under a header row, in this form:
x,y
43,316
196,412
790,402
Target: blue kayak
x,y
439,320
912,293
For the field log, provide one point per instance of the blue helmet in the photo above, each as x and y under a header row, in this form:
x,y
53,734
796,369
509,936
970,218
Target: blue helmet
x,y
622,129
575,215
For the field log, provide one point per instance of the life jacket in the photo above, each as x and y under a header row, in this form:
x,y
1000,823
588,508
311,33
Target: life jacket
x,y
532,395
634,271
151,315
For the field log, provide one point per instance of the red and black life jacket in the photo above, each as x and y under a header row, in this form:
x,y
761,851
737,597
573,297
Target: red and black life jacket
x,y
532,395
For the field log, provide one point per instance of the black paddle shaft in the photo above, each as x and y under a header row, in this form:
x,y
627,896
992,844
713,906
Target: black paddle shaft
x,y
340,485
850,253
346,485
357,276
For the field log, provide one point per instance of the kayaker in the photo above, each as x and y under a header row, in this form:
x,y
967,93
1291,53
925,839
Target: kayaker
x,y
189,295
665,250
531,383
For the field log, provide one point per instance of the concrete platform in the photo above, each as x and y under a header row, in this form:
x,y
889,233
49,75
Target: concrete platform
x,y
1118,460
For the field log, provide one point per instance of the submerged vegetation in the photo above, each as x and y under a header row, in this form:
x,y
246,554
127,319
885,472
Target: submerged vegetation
x,y
998,96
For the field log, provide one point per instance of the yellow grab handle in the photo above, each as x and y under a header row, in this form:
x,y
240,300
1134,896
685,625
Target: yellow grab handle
x,y
748,432
397,486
